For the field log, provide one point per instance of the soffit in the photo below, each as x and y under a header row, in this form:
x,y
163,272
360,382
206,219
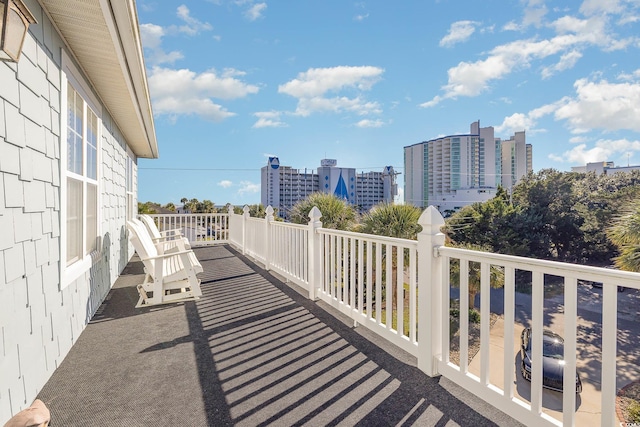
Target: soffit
x,y
104,38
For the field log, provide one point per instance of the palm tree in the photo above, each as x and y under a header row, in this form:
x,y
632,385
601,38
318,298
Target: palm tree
x,y
400,221
336,213
496,274
390,220
625,234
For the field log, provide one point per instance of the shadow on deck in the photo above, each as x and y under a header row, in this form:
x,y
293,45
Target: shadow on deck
x,y
251,352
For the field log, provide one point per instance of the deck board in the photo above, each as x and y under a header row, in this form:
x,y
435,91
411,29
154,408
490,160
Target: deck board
x,y
253,351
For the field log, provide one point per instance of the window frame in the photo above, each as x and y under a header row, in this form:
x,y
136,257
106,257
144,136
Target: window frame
x,y
70,75
131,205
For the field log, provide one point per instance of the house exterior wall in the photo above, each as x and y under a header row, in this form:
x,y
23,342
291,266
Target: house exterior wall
x,y
40,319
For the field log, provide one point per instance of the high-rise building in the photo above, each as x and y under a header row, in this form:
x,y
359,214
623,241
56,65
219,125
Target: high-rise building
x,y
283,186
456,170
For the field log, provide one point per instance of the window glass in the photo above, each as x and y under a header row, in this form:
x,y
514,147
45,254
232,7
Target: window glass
x,y
92,145
74,220
81,182
92,218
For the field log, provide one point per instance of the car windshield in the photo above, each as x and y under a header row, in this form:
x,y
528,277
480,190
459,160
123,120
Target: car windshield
x,y
553,349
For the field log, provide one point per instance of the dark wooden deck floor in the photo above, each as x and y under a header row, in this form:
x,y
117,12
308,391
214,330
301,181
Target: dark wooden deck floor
x,y
252,352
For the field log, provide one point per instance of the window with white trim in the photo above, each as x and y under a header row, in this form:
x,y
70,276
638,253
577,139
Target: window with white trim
x,y
81,178
80,173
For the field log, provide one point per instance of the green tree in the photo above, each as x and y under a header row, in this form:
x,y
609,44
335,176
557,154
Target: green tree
x,y
494,224
336,213
170,206
400,221
207,206
496,274
392,221
625,234
147,208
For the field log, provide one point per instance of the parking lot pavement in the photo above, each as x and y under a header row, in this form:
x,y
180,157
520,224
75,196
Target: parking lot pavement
x,y
587,402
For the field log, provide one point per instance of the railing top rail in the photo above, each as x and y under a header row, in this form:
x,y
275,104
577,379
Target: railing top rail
x,y
186,214
383,239
289,225
587,272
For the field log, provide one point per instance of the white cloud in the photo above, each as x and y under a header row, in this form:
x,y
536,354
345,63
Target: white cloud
x,y
534,12
567,61
366,123
627,77
458,32
572,35
511,26
519,121
255,11
602,105
596,7
604,150
151,35
268,119
318,81
185,92
361,17
311,86
225,183
248,187
193,26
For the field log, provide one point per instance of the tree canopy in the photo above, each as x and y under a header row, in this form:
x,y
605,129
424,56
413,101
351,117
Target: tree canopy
x,y
555,215
336,213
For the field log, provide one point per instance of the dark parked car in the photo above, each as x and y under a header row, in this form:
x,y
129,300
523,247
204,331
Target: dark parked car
x,y
552,359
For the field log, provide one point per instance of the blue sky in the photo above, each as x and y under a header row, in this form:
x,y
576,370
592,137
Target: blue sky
x,y
233,82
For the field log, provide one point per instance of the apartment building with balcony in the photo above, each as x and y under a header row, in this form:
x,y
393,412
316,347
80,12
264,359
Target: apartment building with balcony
x,y
457,170
284,186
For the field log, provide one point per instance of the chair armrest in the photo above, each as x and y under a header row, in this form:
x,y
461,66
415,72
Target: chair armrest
x,y
171,233
167,255
166,239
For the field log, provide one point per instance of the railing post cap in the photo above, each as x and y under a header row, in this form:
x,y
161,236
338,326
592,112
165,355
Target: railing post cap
x,y
230,209
245,209
431,217
269,210
315,214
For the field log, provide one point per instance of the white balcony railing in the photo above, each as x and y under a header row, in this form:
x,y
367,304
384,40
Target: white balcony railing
x,y
402,290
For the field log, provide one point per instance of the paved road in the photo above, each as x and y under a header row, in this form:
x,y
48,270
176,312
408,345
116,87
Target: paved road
x,y
589,345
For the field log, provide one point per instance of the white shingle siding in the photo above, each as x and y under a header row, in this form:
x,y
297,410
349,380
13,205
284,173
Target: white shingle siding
x,y
39,323
14,123
9,158
13,191
9,92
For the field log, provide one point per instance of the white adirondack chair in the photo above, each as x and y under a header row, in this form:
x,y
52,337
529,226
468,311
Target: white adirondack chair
x,y
166,235
170,277
164,245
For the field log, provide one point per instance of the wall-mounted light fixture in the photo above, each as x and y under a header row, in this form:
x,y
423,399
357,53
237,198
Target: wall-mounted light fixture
x,y
14,22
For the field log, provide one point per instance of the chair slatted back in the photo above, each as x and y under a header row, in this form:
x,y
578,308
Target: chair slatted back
x,y
143,245
151,226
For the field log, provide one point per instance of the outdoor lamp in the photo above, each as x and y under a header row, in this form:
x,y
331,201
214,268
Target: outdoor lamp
x,y
14,22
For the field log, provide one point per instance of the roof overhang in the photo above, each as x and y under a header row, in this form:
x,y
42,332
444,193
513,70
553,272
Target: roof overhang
x,y
104,38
